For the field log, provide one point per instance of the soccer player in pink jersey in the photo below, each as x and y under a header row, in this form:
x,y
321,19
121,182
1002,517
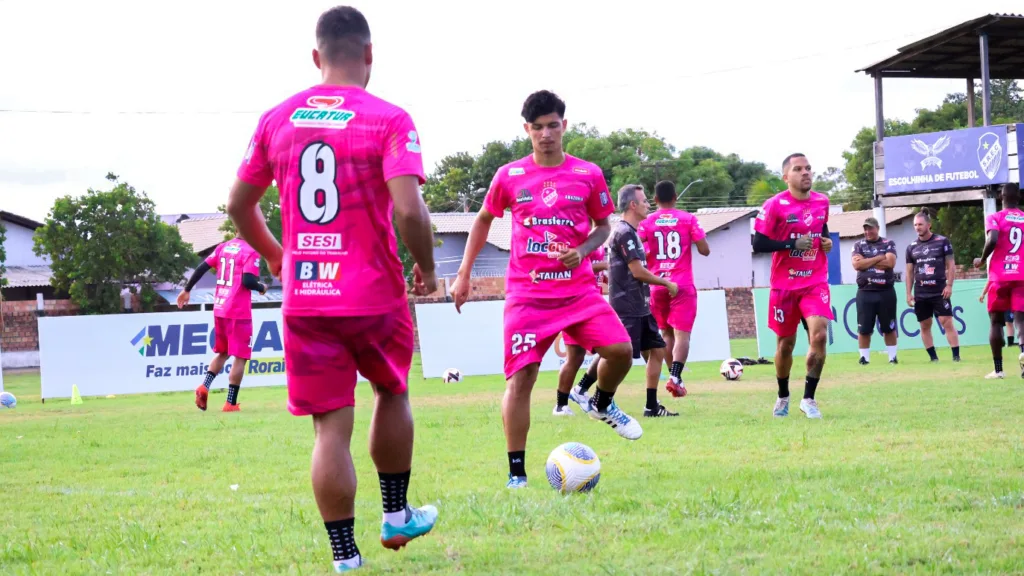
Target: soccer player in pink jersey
x,y
575,354
1003,242
238,271
668,235
344,160
793,227
549,288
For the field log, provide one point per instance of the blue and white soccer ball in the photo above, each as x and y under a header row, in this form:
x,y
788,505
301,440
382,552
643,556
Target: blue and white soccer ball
x,y
7,400
573,467
452,375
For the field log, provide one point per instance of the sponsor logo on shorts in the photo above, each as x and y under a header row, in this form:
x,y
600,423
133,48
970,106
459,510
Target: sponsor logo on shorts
x,y
538,277
531,221
549,246
312,271
825,295
322,112
325,242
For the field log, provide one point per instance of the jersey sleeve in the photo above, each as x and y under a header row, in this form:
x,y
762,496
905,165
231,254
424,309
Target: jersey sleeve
x,y
402,156
211,260
991,223
497,199
252,265
256,168
856,249
765,221
890,247
642,232
599,204
947,248
626,245
696,230
910,255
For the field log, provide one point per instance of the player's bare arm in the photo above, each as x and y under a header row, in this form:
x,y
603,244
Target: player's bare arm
x,y
601,266
474,244
826,239
950,273
909,281
990,247
598,235
861,263
244,211
703,248
413,222
186,292
641,273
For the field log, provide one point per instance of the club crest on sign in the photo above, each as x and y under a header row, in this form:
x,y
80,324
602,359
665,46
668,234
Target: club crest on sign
x,y
990,154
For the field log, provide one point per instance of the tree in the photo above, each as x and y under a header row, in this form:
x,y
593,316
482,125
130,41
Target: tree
x,y
270,206
962,224
3,255
763,189
105,241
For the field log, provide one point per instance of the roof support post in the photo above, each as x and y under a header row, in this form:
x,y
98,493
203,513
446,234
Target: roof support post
x,y
986,89
879,113
972,121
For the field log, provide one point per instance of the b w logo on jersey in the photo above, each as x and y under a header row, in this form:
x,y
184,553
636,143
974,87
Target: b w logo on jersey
x,y
307,271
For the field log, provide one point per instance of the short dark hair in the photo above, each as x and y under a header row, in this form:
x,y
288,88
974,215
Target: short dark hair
x,y
627,194
342,33
925,214
665,191
785,163
541,103
1011,190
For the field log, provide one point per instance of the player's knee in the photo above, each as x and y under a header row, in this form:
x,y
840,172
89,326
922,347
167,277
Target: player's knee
x,y
786,345
619,354
818,338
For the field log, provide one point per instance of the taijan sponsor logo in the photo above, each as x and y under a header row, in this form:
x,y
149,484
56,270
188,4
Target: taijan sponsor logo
x,y
322,112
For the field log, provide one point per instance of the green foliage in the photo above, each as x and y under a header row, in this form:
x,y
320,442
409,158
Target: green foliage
x,y
105,241
629,156
3,255
270,206
763,189
962,224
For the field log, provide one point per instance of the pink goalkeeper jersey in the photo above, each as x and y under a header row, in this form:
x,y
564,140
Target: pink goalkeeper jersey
x,y
331,151
232,259
551,209
668,236
782,218
1005,264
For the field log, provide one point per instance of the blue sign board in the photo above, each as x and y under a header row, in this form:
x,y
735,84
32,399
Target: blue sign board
x,y
972,157
1020,150
835,263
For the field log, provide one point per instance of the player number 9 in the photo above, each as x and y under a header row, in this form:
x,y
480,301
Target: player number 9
x,y
318,169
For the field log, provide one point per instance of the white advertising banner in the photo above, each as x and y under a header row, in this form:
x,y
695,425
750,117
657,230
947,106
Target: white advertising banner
x,y
472,341
144,353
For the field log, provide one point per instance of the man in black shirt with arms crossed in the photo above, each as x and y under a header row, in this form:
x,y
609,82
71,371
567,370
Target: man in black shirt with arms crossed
x,y
874,258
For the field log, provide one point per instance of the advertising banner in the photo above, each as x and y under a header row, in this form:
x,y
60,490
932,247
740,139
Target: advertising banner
x,y
971,157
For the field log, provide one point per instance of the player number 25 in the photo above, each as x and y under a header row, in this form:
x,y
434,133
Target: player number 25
x,y
523,342
318,194
669,246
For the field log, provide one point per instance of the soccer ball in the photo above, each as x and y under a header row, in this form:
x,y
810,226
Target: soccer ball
x,y
452,375
732,369
7,400
573,467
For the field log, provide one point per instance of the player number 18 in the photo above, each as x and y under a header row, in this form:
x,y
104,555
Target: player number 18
x,y
669,246
523,342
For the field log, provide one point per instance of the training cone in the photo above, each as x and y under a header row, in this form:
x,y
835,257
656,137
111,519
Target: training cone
x,y
76,397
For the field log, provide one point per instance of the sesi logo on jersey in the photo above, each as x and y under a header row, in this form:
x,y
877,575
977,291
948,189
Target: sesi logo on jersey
x,y
318,242
316,270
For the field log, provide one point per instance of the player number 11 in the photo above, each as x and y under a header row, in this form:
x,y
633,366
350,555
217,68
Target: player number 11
x,y
223,278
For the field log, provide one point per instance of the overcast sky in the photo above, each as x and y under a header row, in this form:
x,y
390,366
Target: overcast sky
x,y
168,98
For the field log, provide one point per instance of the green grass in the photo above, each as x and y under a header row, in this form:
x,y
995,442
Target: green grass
x,y
914,469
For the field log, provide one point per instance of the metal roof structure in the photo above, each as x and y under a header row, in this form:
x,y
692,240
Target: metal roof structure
x,y
955,52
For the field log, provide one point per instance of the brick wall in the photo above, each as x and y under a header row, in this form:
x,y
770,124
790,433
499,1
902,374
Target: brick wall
x,y
739,306
19,331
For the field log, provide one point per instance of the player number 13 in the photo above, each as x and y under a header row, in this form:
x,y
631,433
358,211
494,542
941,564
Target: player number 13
x,y
318,194
779,317
523,342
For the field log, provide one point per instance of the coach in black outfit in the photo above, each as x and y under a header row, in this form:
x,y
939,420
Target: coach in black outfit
x,y
930,272
874,258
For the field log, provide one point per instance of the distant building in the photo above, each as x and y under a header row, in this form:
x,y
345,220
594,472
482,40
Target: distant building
x,y
27,274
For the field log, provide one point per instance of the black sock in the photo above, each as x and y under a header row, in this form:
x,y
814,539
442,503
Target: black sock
x,y
956,351
931,353
1010,341
586,381
810,385
517,463
233,393
602,399
343,540
652,398
209,379
563,398
676,370
999,364
783,387
393,490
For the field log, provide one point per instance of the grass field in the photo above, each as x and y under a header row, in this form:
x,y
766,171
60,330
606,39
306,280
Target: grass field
x,y
914,469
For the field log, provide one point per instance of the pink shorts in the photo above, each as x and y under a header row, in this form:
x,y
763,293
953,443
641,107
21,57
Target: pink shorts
x,y
679,312
532,324
567,340
786,308
1006,296
232,337
323,353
